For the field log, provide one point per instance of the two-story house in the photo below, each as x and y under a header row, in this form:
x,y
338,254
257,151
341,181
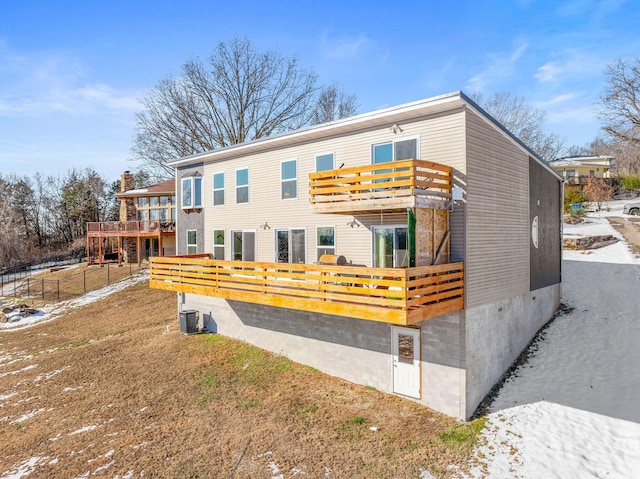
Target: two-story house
x,y
415,249
146,227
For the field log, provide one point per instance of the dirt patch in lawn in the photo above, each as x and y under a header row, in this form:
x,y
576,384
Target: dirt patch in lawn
x,y
630,230
114,389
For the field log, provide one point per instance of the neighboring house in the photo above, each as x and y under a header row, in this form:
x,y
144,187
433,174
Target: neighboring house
x,y
576,170
414,249
146,227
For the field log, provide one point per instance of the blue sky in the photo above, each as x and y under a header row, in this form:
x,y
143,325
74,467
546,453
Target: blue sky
x,y
71,72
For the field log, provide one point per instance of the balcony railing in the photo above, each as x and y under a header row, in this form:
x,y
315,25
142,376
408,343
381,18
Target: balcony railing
x,y
385,186
392,295
130,227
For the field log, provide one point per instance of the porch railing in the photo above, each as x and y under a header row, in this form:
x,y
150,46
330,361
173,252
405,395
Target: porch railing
x,y
385,181
392,295
132,227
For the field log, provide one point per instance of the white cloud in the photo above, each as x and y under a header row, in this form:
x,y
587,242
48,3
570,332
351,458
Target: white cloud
x,y
500,66
345,48
41,83
572,63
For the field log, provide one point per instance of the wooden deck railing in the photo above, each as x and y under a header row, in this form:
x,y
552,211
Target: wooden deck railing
x,y
382,185
130,227
392,295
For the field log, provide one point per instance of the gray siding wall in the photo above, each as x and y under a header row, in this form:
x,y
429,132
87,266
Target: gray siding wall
x,y
441,139
497,215
544,206
188,219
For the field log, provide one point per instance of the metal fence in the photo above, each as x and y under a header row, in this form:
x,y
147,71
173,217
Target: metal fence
x,y
45,289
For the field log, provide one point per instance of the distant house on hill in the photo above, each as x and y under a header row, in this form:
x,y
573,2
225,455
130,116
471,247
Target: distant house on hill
x,y
414,249
146,227
576,170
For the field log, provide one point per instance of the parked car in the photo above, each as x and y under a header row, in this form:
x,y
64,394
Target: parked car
x,y
632,208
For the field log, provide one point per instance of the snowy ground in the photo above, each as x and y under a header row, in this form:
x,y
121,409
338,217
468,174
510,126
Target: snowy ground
x,y
573,410
52,311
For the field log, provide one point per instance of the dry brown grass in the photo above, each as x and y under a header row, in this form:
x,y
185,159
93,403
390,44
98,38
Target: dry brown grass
x,y
52,285
114,389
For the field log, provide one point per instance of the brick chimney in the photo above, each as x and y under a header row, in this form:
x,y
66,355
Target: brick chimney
x,y
127,207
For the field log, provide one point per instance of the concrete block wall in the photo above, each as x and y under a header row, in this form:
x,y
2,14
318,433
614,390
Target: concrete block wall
x,y
357,350
497,333
353,349
443,364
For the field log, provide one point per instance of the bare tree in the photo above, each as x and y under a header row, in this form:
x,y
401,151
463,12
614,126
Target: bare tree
x,y
334,104
620,103
240,94
523,120
598,190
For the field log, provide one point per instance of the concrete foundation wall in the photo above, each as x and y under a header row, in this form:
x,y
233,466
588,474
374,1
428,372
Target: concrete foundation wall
x,y
443,362
497,333
357,350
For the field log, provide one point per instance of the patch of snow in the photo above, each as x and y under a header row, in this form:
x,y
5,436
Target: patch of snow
x,y
84,429
571,410
52,311
24,469
11,373
102,468
50,374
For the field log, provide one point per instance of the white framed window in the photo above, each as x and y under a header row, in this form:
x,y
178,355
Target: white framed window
x,y
192,241
242,185
291,245
324,162
192,192
243,245
396,150
218,244
325,240
218,189
289,179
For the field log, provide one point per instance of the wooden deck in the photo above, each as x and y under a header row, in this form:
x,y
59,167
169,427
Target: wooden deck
x,y
400,296
131,228
382,187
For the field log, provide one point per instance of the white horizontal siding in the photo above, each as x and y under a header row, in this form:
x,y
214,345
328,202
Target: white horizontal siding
x,y
441,140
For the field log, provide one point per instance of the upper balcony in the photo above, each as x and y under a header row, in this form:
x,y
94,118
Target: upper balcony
x,y
400,296
382,187
131,228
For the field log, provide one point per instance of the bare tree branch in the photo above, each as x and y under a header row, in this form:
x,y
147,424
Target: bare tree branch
x,y
238,95
620,103
524,121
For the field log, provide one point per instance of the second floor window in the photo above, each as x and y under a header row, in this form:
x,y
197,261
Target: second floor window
x,y
324,162
289,177
192,241
325,240
218,189
192,192
242,186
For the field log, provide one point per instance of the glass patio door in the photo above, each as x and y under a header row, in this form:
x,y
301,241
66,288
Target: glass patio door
x,y
291,246
390,247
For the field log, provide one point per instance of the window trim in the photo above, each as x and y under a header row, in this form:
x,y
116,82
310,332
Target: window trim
x,y
333,161
318,246
193,205
289,230
191,244
255,243
393,149
242,186
223,245
214,189
282,181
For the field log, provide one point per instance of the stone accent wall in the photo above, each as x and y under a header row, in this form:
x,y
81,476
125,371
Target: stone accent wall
x,y
127,207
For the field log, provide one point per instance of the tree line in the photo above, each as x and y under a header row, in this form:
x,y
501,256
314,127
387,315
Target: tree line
x,y
46,215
